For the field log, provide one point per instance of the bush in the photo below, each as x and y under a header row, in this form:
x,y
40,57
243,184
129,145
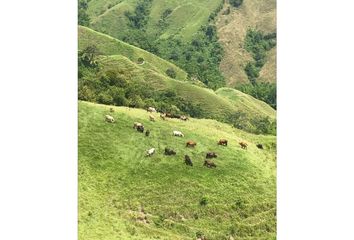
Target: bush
x,y
236,3
140,60
203,201
171,73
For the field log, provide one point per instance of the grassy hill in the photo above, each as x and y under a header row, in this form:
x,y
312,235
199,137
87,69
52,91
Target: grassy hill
x,y
190,98
110,46
184,20
232,29
117,180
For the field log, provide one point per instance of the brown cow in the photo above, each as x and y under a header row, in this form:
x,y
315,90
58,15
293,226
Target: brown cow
x,y
211,155
111,110
243,145
187,160
222,142
209,164
191,144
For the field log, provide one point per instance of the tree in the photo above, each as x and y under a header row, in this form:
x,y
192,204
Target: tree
x,y
236,3
171,73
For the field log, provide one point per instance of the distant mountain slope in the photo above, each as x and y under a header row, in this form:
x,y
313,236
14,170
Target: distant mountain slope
x,y
232,28
111,46
122,194
185,18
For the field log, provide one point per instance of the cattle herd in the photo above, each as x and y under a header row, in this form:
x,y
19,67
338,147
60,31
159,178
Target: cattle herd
x,y
190,144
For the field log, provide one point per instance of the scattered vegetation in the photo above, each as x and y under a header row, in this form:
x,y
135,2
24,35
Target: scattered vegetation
x,y
266,92
171,73
236,3
138,18
83,17
257,43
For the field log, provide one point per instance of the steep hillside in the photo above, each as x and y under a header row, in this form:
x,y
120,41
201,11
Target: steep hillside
x,y
181,32
232,29
167,94
183,19
125,195
110,46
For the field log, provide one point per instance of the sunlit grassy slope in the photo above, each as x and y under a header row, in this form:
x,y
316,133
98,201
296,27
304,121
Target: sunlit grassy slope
x,y
111,46
232,29
117,180
216,105
186,18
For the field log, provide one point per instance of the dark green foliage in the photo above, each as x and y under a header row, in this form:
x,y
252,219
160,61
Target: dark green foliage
x,y
266,92
171,73
264,125
203,201
87,57
140,60
83,17
257,44
236,3
138,18
200,57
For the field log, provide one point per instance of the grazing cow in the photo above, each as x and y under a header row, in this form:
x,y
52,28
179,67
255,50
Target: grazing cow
x,y
211,155
169,152
137,124
222,142
188,160
184,118
209,164
140,128
163,116
109,118
178,134
169,115
147,133
150,152
176,116
151,109
111,110
191,144
243,145
260,146
152,118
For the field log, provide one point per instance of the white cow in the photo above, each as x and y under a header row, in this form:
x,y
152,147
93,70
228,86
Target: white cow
x,y
150,152
109,118
151,109
178,134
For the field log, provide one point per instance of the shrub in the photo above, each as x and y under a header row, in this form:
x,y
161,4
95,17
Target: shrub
x,y
203,201
140,60
236,3
171,73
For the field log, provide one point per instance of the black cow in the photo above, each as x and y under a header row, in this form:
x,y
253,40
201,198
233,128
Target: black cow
x,y
209,164
140,129
211,155
260,146
188,160
147,133
169,152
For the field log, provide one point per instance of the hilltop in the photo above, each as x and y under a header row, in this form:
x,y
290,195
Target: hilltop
x,y
117,181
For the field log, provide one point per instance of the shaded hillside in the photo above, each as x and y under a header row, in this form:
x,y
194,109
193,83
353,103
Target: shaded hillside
x,y
232,29
124,194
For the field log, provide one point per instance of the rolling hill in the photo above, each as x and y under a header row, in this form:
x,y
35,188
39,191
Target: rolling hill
x,y
110,46
232,29
120,58
125,195
184,20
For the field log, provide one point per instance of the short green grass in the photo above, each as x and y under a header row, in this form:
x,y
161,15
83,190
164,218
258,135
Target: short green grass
x,y
116,179
111,46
